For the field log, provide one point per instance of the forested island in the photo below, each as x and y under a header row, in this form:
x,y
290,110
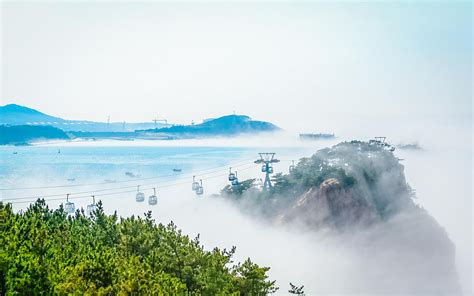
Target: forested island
x,y
25,134
44,251
229,125
356,192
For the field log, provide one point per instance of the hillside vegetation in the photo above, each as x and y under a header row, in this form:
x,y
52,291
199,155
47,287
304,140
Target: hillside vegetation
x,y
22,134
46,252
229,125
364,175
356,193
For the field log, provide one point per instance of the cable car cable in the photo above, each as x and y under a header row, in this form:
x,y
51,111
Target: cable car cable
x,y
34,198
118,182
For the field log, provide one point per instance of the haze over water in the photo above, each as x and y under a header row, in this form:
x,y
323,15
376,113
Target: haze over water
x,y
400,69
218,222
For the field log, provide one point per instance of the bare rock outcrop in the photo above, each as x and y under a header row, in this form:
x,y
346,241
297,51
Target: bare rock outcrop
x,y
330,205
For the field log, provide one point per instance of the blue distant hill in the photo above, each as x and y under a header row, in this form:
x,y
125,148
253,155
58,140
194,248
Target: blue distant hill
x,y
229,125
20,115
24,134
17,115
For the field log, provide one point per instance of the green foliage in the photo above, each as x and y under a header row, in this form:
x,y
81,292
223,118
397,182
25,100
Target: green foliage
x,y
238,190
252,279
368,171
48,252
311,172
296,290
348,162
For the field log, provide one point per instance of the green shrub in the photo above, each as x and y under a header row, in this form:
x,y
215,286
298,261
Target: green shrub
x,y
48,252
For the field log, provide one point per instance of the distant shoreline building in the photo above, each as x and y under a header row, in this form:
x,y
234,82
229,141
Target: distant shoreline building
x,y
319,136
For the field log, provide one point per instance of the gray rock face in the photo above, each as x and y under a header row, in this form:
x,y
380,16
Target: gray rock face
x,y
330,205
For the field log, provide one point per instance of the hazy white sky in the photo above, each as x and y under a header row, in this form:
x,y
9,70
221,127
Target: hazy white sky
x,y
295,64
402,69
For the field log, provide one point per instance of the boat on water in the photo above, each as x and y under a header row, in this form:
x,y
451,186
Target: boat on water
x,y
132,175
177,170
319,136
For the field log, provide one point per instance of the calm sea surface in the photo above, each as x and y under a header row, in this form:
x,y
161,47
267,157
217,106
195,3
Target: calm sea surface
x,y
108,172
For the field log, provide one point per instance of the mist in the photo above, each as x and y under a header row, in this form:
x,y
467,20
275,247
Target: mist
x,y
362,261
366,261
358,70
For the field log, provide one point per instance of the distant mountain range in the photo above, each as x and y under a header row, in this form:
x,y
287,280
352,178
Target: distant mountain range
x,y
20,115
230,125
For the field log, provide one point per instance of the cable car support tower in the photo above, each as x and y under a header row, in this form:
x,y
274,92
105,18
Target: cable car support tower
x,y
266,160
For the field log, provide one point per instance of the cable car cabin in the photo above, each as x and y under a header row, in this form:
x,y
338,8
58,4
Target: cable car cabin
x,y
152,199
195,185
92,207
231,175
140,197
270,169
200,189
264,168
69,206
235,183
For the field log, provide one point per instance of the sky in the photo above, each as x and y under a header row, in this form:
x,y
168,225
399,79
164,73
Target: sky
x,y
300,65
398,69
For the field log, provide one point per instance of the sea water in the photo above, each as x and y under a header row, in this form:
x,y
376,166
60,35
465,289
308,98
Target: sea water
x,y
112,172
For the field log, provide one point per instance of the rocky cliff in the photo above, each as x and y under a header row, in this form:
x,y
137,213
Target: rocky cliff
x,y
356,193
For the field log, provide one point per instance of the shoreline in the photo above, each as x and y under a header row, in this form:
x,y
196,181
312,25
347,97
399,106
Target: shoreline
x,y
287,141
